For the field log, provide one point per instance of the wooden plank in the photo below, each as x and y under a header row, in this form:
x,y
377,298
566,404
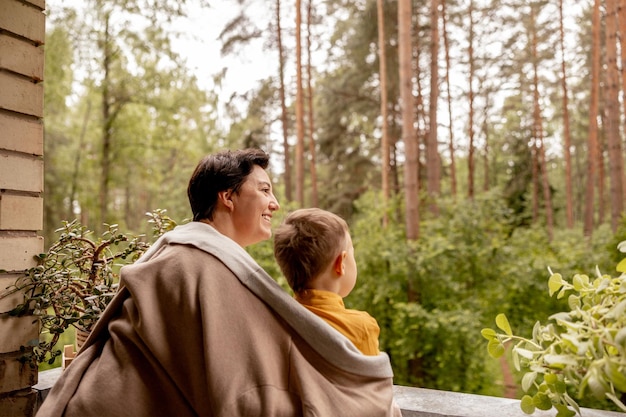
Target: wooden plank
x,y
41,4
24,331
21,134
20,95
8,302
20,404
18,253
23,19
21,174
21,212
21,57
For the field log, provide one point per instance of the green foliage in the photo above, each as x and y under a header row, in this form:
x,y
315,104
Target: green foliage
x,y
431,339
77,277
612,246
526,256
471,263
160,122
582,348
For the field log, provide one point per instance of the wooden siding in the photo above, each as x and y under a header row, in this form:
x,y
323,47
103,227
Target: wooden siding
x,y
22,35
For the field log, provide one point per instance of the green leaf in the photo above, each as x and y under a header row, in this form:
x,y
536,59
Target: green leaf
x,y
550,378
527,405
601,284
488,333
503,324
560,387
570,401
595,382
620,337
542,401
527,380
560,361
617,310
573,302
516,361
617,378
580,281
495,348
525,353
617,401
555,283
563,411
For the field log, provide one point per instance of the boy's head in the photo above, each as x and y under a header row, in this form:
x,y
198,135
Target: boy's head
x,y
307,242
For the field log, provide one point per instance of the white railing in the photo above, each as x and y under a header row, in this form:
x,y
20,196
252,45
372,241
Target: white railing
x,y
415,402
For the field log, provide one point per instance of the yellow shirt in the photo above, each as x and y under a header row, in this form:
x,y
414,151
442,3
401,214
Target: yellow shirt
x,y
358,326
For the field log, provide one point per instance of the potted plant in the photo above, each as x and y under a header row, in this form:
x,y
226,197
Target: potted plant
x,y
76,278
580,351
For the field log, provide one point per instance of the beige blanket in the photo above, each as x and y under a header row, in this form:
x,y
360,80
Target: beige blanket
x,y
199,329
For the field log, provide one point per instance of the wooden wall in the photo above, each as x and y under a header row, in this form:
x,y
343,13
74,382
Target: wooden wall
x,y
22,34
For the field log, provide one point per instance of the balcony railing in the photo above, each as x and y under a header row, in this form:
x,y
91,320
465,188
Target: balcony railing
x,y
415,402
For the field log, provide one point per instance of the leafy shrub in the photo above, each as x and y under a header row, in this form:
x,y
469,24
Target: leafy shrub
x,y
425,294
583,348
76,278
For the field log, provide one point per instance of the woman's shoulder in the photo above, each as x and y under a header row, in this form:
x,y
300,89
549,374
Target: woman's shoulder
x,y
175,257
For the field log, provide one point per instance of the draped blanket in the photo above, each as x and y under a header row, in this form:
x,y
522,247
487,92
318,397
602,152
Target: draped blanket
x,y
199,329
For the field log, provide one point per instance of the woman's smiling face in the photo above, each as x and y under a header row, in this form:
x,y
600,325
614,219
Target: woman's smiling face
x,y
253,206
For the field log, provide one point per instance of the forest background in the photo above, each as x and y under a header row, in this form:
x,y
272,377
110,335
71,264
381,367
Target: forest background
x,y
470,144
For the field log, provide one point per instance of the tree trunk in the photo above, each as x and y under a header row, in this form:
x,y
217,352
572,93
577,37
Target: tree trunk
x,y
538,134
107,119
312,166
446,43
77,158
432,151
614,146
567,140
299,110
621,18
411,166
593,122
283,106
470,123
601,176
485,132
384,146
419,112
535,175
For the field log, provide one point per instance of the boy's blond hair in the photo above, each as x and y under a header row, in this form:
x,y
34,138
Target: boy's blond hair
x,y
306,242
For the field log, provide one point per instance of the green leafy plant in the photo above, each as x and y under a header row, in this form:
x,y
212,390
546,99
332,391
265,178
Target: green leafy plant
x,y
583,349
76,278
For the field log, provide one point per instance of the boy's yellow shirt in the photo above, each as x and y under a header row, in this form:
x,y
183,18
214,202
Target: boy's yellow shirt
x,y
358,326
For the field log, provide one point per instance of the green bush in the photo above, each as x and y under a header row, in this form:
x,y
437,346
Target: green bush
x,y
581,350
75,279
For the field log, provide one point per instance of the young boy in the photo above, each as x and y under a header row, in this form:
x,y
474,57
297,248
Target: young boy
x,y
314,250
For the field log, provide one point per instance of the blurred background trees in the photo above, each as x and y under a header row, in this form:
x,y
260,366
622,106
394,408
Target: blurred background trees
x,y
495,150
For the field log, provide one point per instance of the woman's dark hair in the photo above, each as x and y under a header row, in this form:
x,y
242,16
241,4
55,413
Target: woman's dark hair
x,y
225,170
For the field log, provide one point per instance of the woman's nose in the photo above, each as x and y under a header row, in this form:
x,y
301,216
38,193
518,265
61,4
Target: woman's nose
x,y
274,204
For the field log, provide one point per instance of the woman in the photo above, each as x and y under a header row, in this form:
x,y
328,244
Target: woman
x,y
199,329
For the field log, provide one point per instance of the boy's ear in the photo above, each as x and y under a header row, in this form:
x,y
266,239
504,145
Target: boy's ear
x,y
225,197
338,265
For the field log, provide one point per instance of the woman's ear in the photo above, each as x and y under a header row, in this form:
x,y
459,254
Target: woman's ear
x,y
225,197
338,265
